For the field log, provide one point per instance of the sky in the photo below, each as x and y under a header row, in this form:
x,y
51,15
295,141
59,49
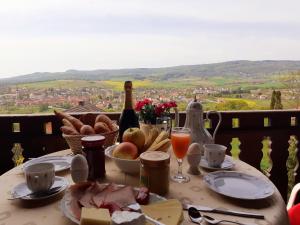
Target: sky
x,y
57,35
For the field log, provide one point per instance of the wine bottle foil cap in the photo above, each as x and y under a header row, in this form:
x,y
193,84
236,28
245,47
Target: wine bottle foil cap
x,y
128,85
92,141
155,158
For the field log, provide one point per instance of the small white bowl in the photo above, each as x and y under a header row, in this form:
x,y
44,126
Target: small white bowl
x,y
130,166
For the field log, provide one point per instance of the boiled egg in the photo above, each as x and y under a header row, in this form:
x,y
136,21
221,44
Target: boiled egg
x,y
79,169
194,149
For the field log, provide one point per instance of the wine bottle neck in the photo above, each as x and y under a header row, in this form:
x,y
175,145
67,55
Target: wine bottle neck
x,y
128,99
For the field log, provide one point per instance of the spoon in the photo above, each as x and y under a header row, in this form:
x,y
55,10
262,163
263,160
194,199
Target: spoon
x,y
196,217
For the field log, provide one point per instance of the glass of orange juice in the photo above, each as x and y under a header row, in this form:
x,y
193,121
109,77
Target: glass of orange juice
x,y
180,139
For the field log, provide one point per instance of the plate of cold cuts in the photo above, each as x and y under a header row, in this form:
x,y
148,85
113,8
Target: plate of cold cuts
x,y
114,197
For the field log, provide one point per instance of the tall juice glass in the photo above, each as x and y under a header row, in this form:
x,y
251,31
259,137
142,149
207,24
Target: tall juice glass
x,y
180,139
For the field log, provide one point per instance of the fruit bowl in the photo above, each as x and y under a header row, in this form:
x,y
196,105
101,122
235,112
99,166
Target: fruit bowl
x,y
131,166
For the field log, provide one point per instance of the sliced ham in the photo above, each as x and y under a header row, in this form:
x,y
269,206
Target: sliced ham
x,y
76,192
90,192
97,195
75,208
122,197
99,198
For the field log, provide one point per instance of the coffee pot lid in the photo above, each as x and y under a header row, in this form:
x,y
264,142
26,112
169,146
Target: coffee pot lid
x,y
194,105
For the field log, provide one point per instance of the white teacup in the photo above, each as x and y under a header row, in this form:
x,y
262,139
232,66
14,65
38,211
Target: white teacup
x,y
40,177
215,154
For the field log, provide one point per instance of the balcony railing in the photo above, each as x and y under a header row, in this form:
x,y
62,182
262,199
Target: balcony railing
x,y
266,140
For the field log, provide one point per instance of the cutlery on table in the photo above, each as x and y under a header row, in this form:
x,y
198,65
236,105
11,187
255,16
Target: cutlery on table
x,y
136,207
38,194
196,217
223,211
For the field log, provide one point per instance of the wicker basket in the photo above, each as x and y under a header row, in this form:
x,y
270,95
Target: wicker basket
x,y
74,141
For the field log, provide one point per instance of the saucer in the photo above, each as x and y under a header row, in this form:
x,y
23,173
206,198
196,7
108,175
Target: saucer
x,y
60,162
22,189
226,165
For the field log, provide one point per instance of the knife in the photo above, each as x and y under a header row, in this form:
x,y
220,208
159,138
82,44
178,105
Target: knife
x,y
223,211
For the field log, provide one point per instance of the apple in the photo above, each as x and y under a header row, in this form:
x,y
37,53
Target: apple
x,y
125,150
135,136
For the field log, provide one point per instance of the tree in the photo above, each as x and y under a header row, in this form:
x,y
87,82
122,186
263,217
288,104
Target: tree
x,y
272,104
292,82
276,100
278,104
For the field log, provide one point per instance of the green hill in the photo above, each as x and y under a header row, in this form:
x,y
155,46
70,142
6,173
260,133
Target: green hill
x,y
234,69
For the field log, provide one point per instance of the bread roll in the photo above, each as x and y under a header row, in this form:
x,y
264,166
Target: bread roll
x,y
87,130
101,128
105,119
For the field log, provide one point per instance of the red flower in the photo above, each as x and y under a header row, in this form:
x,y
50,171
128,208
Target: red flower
x,y
139,105
149,111
159,109
172,104
147,101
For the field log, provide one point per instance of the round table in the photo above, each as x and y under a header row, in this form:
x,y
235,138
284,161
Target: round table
x,y
18,212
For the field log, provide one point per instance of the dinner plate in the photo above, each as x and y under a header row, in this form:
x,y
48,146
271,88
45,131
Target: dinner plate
x,y
65,204
239,185
226,165
22,189
60,162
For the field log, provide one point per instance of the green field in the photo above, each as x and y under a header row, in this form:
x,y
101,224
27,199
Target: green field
x,y
72,84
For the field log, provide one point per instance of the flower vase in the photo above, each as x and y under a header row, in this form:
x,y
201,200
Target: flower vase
x,y
146,127
162,123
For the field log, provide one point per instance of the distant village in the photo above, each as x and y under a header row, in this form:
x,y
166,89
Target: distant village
x,y
111,100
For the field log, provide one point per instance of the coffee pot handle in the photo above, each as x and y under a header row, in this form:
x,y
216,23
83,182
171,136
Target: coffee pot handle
x,y
219,122
176,121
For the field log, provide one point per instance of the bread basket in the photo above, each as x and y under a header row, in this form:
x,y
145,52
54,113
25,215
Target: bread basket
x,y
74,141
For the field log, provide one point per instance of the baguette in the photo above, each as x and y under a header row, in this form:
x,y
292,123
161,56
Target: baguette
x,y
76,123
62,115
69,130
68,123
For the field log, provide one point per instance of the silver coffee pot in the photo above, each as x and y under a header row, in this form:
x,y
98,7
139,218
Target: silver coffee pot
x,y
194,120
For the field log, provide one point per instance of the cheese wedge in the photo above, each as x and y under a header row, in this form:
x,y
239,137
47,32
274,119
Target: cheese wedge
x,y
94,216
168,212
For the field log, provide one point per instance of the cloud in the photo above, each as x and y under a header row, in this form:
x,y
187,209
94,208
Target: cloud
x,y
56,35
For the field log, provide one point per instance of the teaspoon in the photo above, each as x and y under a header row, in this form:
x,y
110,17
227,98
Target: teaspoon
x,y
195,215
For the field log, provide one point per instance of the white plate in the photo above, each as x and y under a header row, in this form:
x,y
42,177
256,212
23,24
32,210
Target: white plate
x,y
226,165
22,189
239,185
65,204
60,162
